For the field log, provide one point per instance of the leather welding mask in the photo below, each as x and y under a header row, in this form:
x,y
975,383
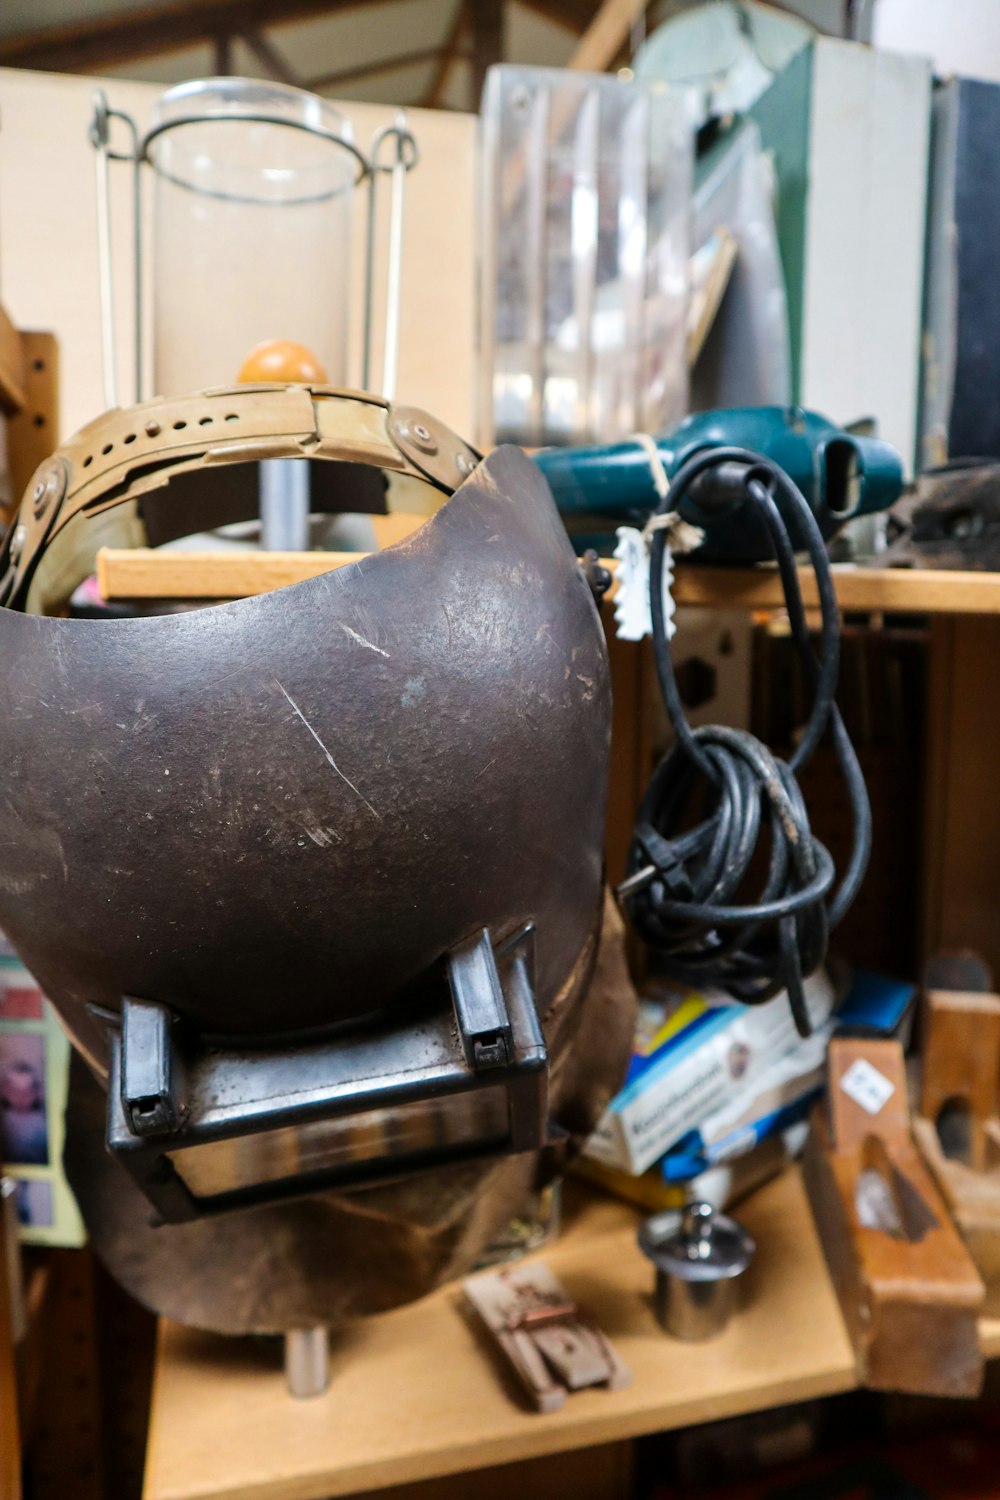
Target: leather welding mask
x,y
313,878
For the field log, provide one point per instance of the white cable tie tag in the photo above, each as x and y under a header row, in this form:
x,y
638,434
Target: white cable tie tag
x,y
867,1086
632,616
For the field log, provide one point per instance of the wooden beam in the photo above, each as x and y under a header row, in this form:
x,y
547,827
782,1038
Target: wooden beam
x,y
487,41
105,41
374,68
271,59
606,35
561,12
450,55
223,45
705,300
33,432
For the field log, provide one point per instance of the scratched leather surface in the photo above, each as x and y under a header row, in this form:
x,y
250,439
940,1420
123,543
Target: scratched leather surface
x,y
276,813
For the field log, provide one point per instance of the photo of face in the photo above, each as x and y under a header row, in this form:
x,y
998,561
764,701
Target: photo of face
x,y
24,1132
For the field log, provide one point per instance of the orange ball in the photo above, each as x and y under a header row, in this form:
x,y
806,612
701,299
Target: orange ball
x,y
282,359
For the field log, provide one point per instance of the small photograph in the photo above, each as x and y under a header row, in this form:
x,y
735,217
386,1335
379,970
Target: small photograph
x,y
24,1132
20,997
33,1201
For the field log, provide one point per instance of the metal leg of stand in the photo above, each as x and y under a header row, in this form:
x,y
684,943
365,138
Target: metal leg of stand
x,y
307,1361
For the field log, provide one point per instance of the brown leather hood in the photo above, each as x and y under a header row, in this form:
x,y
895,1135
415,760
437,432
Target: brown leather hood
x,y
357,771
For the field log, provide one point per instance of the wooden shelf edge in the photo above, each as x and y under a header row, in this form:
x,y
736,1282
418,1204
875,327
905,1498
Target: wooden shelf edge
x,y
148,573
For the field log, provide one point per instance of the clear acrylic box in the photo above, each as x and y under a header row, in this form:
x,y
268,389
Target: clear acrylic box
x,y
586,183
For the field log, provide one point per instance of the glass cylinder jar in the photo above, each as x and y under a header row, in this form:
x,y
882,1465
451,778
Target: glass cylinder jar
x,y
251,229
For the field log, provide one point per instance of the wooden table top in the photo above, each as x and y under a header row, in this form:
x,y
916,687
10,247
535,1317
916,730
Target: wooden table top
x,y
415,1393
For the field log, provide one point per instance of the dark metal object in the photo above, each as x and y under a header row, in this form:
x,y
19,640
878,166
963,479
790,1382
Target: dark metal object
x,y
483,1022
145,1087
596,574
699,1257
286,1119
953,521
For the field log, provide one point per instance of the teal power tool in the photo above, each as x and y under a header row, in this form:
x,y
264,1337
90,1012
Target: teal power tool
x,y
840,475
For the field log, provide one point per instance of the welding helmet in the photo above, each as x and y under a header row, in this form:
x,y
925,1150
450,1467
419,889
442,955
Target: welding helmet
x,y
314,877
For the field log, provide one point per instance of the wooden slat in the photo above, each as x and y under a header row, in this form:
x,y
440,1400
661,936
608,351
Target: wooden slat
x,y
606,35
415,1394
34,432
962,808
10,1425
11,367
143,573
705,302
64,1452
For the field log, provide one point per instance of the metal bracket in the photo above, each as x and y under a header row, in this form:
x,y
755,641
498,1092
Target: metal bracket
x,y
483,1022
204,1127
148,1071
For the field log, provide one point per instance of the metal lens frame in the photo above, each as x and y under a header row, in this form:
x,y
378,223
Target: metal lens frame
x,y
204,1128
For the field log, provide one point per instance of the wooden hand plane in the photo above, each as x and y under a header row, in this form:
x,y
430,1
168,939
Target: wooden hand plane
x,y
909,1291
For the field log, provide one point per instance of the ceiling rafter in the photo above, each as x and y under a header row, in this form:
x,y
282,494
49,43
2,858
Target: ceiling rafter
x,y
450,54
377,65
97,43
106,41
267,54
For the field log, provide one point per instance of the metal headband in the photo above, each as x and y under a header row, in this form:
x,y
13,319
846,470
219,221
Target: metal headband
x,y
128,452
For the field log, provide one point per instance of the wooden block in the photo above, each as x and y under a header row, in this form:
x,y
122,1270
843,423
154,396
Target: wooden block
x,y
908,1289
961,1061
33,432
973,1198
850,1122
961,1068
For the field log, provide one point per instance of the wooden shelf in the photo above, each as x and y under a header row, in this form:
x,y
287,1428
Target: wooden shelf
x,y
148,573
414,1394
892,590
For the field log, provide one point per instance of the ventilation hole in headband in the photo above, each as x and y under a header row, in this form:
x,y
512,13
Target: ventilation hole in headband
x,y
178,426
88,460
205,421
107,448
130,438
232,416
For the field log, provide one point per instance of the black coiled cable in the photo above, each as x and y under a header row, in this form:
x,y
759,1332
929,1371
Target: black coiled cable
x,y
682,889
